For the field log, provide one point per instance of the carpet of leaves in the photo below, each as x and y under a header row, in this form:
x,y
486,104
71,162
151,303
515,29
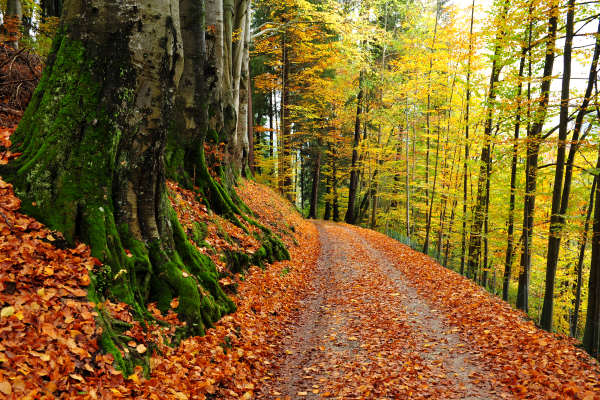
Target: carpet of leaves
x,y
49,335
363,334
48,331
533,363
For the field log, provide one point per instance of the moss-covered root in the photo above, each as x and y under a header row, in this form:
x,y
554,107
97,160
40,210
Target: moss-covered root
x,y
189,168
138,273
274,248
185,273
271,250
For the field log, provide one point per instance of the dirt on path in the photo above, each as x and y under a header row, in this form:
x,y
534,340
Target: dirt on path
x,y
365,333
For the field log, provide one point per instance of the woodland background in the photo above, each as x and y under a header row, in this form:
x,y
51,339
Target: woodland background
x,y
468,131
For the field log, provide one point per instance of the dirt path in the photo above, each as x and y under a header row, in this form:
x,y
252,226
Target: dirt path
x,y
364,333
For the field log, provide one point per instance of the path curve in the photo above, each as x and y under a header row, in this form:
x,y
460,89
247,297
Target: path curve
x,y
365,333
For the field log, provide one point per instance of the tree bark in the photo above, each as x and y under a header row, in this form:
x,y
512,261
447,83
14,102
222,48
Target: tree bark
x,y
579,269
466,160
314,196
533,145
285,166
350,216
591,335
560,201
433,191
12,22
251,160
327,213
555,225
334,185
513,184
479,214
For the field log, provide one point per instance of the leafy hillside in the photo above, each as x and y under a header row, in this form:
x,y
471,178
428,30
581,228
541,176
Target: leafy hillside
x,y
50,330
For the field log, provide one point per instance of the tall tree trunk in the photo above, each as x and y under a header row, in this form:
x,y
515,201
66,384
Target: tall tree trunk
x,y
445,186
479,214
513,184
241,143
438,6
314,196
433,191
350,216
51,8
579,268
466,160
533,145
271,126
251,159
486,222
447,251
591,335
560,201
285,167
334,184
407,175
327,213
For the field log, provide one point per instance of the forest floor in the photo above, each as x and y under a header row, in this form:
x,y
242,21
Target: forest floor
x,y
385,322
366,333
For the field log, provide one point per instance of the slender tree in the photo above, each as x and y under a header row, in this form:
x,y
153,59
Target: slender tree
x,y
533,146
513,183
466,159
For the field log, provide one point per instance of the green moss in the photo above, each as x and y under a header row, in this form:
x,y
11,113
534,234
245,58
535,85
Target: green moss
x,y
199,232
237,261
52,175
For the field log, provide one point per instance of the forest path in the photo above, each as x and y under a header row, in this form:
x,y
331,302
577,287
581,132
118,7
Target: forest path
x,y
365,333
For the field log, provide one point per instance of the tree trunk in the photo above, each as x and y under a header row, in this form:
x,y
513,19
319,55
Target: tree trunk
x,y
513,184
438,6
533,145
251,160
407,176
579,268
314,196
466,161
479,216
334,184
591,335
51,8
560,201
327,213
272,112
350,216
486,222
433,191
241,82
12,22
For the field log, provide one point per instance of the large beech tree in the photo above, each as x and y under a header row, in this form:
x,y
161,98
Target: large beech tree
x,y
126,84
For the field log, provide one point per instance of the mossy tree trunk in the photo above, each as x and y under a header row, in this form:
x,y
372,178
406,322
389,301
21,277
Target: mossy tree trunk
x,y
93,141
208,146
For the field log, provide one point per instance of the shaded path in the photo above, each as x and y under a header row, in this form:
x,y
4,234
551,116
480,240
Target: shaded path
x,y
365,333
